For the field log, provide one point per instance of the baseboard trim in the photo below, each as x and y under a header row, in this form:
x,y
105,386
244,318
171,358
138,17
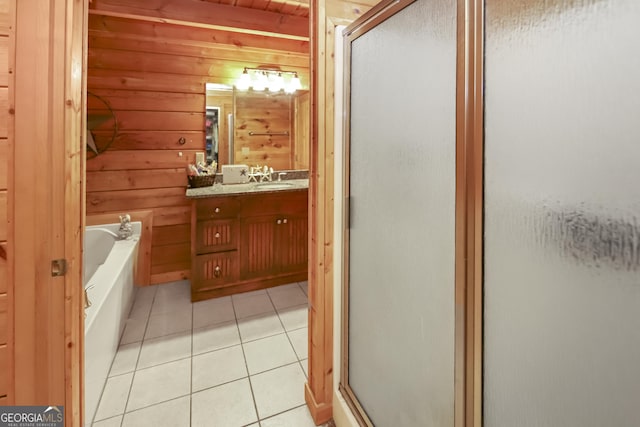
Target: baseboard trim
x,y
321,413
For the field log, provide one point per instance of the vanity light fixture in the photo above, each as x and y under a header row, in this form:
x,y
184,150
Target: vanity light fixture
x,y
274,80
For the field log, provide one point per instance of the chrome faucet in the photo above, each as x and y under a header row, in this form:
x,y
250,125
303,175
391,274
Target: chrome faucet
x,y
280,175
126,228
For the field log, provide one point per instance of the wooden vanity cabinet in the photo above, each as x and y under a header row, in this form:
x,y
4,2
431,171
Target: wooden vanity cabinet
x,y
248,242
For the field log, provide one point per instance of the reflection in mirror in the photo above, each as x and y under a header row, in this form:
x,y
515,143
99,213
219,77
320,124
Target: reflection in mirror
x,y
264,129
219,105
258,127
211,133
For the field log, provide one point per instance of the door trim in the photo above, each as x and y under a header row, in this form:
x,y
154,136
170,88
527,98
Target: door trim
x,y
47,202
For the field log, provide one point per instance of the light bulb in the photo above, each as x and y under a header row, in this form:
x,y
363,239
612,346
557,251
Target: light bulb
x,y
295,82
276,82
244,81
260,82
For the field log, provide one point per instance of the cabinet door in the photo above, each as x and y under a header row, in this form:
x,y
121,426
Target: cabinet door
x,y
257,246
291,244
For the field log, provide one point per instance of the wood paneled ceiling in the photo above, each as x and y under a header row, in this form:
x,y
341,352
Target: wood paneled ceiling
x,y
288,19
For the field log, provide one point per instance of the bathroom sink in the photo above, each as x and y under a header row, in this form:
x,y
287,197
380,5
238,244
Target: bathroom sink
x,y
274,185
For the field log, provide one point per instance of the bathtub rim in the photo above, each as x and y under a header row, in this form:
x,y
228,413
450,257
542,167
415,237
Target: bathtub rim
x,y
142,275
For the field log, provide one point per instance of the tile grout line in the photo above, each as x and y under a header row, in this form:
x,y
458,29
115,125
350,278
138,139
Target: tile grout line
x,y
246,365
273,369
284,412
154,366
246,377
162,402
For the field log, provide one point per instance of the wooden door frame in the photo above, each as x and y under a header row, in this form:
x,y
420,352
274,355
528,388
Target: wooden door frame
x,y
320,336
469,214
319,388
47,67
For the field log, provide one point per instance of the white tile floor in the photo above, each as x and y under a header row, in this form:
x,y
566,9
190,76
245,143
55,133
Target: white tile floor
x,y
226,362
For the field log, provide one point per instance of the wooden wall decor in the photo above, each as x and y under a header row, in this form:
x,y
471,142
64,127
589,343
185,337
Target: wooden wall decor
x,y
151,64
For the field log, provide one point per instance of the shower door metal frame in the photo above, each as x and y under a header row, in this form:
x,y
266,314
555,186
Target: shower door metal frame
x,y
468,201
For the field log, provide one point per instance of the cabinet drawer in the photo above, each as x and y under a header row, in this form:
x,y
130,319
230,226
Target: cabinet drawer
x,y
216,236
289,202
217,207
215,270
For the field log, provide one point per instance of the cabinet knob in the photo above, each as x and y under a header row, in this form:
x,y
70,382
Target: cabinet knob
x,y
217,236
279,222
216,210
217,272
284,221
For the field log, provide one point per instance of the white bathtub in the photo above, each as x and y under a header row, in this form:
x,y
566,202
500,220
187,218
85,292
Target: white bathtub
x,y
108,277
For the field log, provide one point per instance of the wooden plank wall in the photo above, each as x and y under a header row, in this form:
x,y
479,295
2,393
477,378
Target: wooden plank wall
x,y
302,112
5,333
153,75
261,113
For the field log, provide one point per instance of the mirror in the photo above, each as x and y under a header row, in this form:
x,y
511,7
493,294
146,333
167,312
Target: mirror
x,y
218,108
257,128
211,134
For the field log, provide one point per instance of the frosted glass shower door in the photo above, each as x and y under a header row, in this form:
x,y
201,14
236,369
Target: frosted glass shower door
x,y
562,214
402,225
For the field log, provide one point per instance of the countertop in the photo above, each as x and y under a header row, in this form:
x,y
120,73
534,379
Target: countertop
x,y
218,189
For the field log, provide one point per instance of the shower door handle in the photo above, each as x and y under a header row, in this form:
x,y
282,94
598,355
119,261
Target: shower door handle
x,y
87,301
